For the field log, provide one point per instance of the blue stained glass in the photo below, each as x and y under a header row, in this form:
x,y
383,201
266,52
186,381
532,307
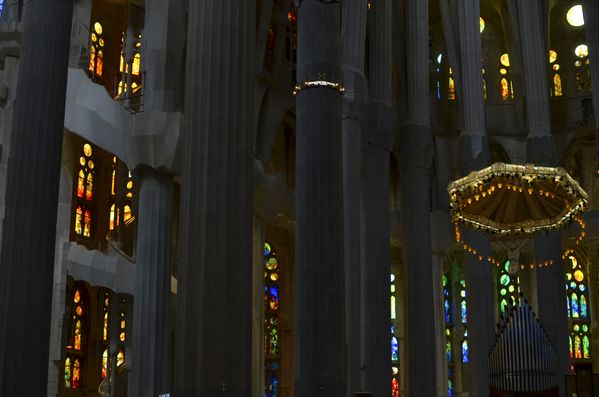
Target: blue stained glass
x,y
581,288
465,350
448,352
394,349
568,304
464,314
447,316
438,89
392,329
583,307
274,292
450,387
574,304
273,386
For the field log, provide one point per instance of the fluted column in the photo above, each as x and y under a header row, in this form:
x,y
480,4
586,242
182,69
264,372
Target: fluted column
x,y
416,147
320,293
214,317
376,248
591,15
353,40
151,325
28,238
474,155
540,151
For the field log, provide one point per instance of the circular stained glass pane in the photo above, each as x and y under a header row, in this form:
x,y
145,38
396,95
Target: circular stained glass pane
x,y
504,280
267,249
578,275
552,56
569,276
581,51
576,328
573,285
581,288
556,67
82,160
503,71
122,337
272,263
94,37
585,328
395,370
98,28
511,288
463,293
274,276
575,16
90,164
503,292
505,60
577,64
130,185
392,278
79,310
77,297
87,149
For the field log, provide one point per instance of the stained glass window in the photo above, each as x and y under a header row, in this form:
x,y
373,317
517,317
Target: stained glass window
x,y
76,341
508,288
556,80
482,24
464,320
452,92
575,16
395,357
465,349
85,191
448,317
96,50
582,66
291,37
577,301
271,322
507,88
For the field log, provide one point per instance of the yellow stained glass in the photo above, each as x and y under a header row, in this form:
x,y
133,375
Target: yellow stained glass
x,y
582,51
105,364
575,16
451,94
482,24
130,185
578,275
127,214
87,149
89,187
505,91
112,216
87,224
555,67
98,28
122,337
105,327
79,221
90,164
503,71
552,56
557,85
94,38
101,42
136,67
77,296
78,336
81,184
505,60
120,358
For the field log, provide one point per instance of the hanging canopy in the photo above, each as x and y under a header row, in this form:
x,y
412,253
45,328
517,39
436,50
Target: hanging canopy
x,y
516,201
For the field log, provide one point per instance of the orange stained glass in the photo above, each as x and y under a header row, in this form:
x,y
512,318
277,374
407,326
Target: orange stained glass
x,y
87,224
122,63
79,221
557,85
76,374
505,91
112,216
92,58
79,311
136,67
127,214
105,364
81,184
78,337
100,63
451,94
77,297
89,187
105,327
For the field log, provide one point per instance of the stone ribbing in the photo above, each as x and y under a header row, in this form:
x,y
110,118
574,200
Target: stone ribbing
x,y
473,154
416,149
214,317
376,249
28,238
151,352
320,293
534,63
353,41
591,13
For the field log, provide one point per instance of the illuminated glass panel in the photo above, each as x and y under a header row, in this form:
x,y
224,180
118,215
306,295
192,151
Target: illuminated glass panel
x,y
482,25
96,49
271,322
575,16
577,301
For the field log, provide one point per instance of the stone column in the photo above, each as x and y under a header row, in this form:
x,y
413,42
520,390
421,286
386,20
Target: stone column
x,y
258,309
474,155
540,151
353,40
28,238
151,325
214,317
591,15
320,274
376,248
416,148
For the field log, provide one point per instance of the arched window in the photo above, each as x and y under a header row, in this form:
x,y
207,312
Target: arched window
x,y
447,314
271,322
508,288
105,332
464,319
85,192
77,338
451,95
556,80
583,70
577,303
438,79
96,50
291,39
394,342
484,84
506,84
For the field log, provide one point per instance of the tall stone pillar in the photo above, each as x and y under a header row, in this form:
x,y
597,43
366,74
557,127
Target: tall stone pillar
x,y
214,317
591,15
474,155
320,293
353,40
151,325
258,309
416,148
540,151
28,238
376,248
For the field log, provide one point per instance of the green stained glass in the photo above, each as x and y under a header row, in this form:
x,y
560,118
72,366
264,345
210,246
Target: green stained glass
x,y
586,348
444,281
576,328
507,267
503,292
585,328
505,280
